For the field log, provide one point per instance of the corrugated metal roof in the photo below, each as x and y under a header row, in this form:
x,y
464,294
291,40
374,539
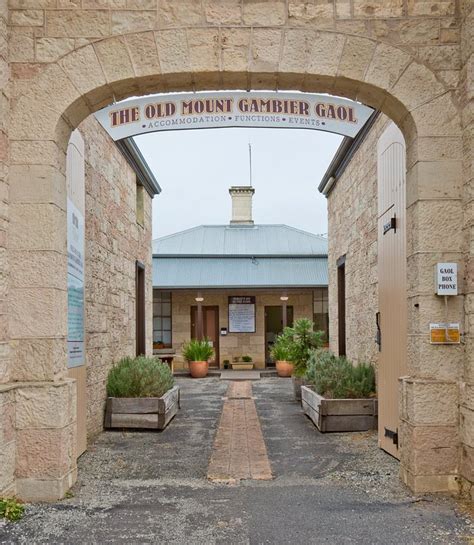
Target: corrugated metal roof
x,y
256,240
236,272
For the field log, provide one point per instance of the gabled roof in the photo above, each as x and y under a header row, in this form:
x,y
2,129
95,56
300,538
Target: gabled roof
x,y
238,241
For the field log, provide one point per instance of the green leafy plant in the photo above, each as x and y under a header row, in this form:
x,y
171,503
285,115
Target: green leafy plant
x,y
335,377
247,359
139,377
301,340
11,509
195,350
226,364
280,350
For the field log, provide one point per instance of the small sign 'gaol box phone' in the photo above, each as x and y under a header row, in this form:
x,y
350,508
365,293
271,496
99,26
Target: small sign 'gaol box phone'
x,y
446,278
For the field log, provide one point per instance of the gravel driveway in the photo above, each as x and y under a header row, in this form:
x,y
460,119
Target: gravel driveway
x,y
149,487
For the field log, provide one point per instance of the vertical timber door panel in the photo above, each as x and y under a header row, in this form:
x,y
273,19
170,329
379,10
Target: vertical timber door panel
x,y
210,328
391,228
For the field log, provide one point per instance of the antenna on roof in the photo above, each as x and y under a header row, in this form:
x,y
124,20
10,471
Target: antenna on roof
x,y
250,163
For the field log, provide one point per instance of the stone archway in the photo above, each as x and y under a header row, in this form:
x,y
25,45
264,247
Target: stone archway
x,y
66,91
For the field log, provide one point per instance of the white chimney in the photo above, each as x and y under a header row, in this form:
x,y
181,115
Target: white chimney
x,y
241,204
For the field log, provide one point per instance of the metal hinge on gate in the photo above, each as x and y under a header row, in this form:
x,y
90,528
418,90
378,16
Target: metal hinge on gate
x,y
393,435
392,224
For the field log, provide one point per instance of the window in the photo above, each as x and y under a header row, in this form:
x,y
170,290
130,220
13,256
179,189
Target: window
x,y
161,319
320,311
140,206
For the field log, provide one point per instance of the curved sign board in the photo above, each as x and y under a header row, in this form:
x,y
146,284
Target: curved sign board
x,y
221,109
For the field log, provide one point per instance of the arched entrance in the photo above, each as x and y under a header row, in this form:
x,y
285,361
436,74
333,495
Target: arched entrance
x,y
66,91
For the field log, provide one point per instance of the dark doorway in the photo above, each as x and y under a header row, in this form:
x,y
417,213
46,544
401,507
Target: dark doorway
x,y
341,305
210,329
274,326
140,331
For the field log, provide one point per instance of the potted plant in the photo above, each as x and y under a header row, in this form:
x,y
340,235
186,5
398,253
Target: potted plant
x,y
198,353
280,354
339,396
301,340
226,364
141,394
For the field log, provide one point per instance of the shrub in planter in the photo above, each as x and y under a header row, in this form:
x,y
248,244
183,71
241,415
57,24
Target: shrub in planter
x,y
247,359
335,377
139,377
198,353
141,394
341,396
226,364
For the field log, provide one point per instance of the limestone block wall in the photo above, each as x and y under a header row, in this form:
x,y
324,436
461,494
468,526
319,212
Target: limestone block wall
x,y
233,344
352,213
467,384
114,242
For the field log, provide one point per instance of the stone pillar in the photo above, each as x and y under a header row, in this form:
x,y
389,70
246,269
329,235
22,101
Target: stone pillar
x,y
45,400
429,396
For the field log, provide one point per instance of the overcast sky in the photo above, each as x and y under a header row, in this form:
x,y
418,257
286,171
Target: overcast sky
x,y
195,169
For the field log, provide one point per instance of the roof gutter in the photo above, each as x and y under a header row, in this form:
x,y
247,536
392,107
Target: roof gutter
x,y
135,159
343,156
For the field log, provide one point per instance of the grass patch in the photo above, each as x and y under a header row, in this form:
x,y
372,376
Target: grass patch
x,y
11,509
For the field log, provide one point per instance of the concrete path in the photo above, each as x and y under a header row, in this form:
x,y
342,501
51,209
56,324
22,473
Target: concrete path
x,y
148,487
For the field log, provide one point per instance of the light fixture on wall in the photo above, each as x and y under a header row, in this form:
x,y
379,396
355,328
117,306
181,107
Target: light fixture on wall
x,y
199,298
284,298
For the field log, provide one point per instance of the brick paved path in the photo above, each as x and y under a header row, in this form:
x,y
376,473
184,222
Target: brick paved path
x,y
239,450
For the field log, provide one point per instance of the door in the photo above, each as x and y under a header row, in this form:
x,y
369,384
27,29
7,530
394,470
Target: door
x,y
274,326
392,320
210,329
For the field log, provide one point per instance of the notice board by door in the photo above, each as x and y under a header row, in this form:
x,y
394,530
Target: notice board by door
x,y
391,228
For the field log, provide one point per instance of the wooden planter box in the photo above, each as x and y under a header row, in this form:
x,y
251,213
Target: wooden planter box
x,y
242,366
142,412
339,414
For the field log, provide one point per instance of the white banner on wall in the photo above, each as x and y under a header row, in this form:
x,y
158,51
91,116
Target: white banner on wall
x,y
233,109
75,285
241,314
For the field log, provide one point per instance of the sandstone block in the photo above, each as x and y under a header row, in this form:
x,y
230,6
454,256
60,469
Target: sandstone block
x,y
39,359
416,86
431,8
179,14
421,484
223,12
386,66
204,49
467,463
439,117
467,395
42,489
7,466
235,49
27,17
143,52
378,8
315,14
114,59
265,49
355,58
45,453
84,69
325,53
7,422
467,426
45,406
264,13
51,49
37,184
429,402
21,46
77,23
125,21
296,47
172,50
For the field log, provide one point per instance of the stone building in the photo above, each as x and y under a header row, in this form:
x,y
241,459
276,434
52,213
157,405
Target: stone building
x,y
63,61
249,279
